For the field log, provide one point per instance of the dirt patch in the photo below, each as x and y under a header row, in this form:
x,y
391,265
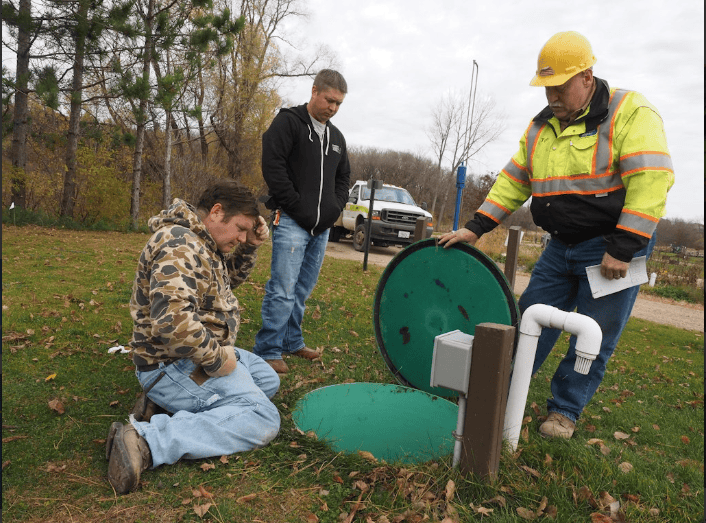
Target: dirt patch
x,y
659,310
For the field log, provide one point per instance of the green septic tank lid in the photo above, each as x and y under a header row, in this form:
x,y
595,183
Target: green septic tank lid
x,y
427,290
392,422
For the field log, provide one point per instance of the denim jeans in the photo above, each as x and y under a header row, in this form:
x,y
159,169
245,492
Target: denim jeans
x,y
297,257
222,416
559,279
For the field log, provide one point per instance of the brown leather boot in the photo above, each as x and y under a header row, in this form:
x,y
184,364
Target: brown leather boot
x,y
307,354
279,366
129,455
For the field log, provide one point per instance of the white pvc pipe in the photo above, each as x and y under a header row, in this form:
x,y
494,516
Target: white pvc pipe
x,y
588,344
459,428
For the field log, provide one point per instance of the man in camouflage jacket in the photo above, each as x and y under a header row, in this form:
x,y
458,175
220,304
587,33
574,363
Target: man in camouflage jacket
x,y
186,320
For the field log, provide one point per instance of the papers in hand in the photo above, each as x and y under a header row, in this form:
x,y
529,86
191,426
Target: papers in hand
x,y
600,286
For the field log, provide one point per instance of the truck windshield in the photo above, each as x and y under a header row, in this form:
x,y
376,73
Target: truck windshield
x,y
389,194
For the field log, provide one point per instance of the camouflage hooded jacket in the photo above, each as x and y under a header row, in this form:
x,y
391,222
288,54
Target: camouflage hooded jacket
x,y
182,304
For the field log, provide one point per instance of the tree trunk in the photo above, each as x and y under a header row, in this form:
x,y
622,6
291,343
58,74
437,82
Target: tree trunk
x,y
68,197
19,121
141,120
167,186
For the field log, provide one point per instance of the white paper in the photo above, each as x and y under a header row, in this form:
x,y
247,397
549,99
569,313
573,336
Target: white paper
x,y
600,286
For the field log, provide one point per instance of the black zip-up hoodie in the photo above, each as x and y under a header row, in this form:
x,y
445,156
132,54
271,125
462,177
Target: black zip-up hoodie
x,y
310,190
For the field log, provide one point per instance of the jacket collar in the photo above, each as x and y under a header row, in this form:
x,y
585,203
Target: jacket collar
x,y
597,111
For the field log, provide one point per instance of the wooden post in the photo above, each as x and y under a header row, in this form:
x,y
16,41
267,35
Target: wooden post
x,y
420,229
488,387
513,248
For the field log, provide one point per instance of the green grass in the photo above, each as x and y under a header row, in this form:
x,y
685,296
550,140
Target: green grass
x,y
65,296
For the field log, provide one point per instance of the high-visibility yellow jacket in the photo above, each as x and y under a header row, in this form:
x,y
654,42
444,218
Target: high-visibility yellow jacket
x,y
606,174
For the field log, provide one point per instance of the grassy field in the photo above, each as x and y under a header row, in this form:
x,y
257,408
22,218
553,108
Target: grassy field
x,y
637,456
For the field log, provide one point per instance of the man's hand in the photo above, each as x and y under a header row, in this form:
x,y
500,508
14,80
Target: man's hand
x,y
228,366
461,235
259,233
613,269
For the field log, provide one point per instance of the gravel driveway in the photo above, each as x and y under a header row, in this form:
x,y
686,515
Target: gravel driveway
x,y
659,310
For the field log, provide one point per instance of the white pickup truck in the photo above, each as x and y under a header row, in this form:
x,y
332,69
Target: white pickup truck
x,y
394,217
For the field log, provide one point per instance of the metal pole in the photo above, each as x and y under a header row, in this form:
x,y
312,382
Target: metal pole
x,y
372,185
460,184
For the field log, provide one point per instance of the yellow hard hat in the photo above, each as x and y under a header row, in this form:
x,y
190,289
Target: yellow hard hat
x,y
563,56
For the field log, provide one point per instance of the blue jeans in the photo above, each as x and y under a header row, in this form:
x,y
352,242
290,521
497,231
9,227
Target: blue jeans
x,y
222,416
297,257
559,279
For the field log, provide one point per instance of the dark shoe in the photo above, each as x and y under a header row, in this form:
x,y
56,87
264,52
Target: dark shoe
x,y
279,366
307,354
145,408
129,455
557,426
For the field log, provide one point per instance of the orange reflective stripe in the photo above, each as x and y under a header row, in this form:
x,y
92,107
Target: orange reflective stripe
x,y
516,172
532,139
637,223
645,161
494,210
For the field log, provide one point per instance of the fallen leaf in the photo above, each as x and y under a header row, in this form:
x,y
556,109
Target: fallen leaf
x,y
685,440
224,460
620,435
311,517
656,427
201,510
484,511
525,513
361,485
654,512
625,467
531,471
57,406
207,466
500,500
450,490
205,493
597,517
246,499
50,377
367,455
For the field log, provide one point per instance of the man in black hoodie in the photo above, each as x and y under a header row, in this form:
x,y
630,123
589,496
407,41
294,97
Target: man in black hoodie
x,y
305,165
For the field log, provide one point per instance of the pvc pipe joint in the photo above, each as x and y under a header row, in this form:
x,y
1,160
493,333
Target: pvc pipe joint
x,y
588,345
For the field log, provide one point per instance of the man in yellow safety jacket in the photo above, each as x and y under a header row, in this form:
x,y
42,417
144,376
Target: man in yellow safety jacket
x,y
596,164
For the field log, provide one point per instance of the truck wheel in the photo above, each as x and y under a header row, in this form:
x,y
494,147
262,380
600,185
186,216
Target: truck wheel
x,y
334,234
359,238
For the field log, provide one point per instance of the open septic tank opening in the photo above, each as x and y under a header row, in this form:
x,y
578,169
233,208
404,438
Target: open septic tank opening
x,y
425,291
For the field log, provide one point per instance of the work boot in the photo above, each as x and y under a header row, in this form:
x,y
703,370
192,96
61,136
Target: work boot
x,y
128,454
279,366
145,408
557,426
307,354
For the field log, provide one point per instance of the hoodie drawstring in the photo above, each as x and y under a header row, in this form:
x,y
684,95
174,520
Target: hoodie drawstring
x,y
310,138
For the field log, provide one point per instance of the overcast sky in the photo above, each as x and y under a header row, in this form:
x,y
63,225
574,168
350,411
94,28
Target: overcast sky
x,y
400,57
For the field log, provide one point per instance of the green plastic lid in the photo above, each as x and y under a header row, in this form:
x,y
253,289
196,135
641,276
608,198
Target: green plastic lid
x,y
427,290
392,422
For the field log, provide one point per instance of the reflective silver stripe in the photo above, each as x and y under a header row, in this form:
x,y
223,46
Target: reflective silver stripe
x,y
494,211
532,136
514,171
604,148
581,184
645,161
639,224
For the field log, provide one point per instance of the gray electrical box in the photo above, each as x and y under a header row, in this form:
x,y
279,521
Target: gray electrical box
x,y
451,361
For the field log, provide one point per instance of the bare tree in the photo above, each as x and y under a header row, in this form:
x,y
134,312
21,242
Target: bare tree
x,y
460,129
244,90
